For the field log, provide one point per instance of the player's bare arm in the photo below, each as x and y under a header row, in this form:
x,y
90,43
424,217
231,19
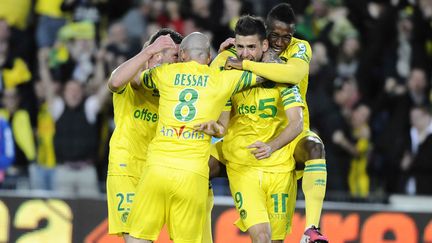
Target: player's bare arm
x,y
130,69
291,131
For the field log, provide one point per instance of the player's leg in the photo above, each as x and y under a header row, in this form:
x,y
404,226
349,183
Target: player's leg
x,y
120,195
250,199
281,195
131,239
309,153
148,211
207,232
260,233
187,207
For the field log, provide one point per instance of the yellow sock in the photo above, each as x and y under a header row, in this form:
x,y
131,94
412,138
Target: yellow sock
x,y
314,187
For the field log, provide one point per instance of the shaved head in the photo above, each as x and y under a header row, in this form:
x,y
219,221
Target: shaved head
x,y
195,46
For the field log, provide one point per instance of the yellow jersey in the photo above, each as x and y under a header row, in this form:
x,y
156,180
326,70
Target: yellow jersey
x,y
302,50
257,114
135,118
190,93
45,137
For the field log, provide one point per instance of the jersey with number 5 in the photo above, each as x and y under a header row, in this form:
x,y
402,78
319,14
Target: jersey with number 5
x,y
190,93
258,114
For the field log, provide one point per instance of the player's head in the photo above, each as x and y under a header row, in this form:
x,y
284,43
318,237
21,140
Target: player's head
x,y
195,46
250,38
168,55
280,26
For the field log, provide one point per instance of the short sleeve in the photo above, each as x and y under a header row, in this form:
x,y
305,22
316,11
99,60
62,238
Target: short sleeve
x,y
149,78
228,105
290,96
238,80
302,50
220,59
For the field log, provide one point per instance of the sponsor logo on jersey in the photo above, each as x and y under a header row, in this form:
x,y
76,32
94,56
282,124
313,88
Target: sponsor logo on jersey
x,y
145,115
181,133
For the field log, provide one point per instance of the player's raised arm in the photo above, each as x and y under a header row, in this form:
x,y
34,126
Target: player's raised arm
x,y
292,72
130,69
293,106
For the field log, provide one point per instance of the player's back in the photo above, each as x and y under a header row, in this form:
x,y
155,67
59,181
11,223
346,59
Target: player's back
x,y
190,93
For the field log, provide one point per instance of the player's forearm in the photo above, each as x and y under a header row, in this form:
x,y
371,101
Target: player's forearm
x,y
290,132
128,70
292,72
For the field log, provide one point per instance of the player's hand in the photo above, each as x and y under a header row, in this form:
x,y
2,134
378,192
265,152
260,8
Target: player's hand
x,y
161,43
226,44
262,150
233,63
211,128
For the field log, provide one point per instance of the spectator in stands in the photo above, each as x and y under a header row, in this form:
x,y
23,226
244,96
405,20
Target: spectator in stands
x,y
76,134
347,60
13,70
422,36
337,133
358,177
17,14
394,105
51,19
417,160
119,47
74,55
25,150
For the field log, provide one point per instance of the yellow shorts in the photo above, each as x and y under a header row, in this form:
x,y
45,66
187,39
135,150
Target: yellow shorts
x,y
120,194
217,153
207,232
263,197
173,197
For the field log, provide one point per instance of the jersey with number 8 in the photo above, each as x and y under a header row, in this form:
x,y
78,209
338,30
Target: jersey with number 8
x,y
190,93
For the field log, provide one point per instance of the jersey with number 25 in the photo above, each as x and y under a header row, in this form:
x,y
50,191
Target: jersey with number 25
x,y
190,93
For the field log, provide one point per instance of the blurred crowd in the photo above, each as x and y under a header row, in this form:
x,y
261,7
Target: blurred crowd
x,y
369,88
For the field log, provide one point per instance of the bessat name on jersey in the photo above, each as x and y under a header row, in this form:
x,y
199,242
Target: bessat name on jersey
x,y
187,79
145,115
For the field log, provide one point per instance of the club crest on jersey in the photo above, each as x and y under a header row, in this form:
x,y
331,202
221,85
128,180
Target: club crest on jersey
x,y
181,133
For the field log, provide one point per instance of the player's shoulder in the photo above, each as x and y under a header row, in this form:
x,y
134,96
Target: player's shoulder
x,y
219,60
297,48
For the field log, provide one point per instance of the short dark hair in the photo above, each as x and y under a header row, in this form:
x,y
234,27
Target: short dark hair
x,y
282,12
250,25
175,36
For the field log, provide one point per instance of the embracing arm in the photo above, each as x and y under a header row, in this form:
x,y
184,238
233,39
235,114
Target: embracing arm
x,y
291,131
130,69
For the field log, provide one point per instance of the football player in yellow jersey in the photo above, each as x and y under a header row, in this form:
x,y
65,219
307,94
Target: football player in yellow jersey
x,y
307,149
135,117
173,186
263,182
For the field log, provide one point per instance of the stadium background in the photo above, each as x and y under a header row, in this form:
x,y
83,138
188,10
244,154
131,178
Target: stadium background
x,y
371,68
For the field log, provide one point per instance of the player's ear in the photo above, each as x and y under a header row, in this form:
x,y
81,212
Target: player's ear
x,y
182,55
265,45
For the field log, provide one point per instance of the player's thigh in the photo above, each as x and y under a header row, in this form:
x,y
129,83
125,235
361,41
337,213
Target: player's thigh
x,y
249,196
148,212
187,206
282,192
120,195
307,146
207,231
